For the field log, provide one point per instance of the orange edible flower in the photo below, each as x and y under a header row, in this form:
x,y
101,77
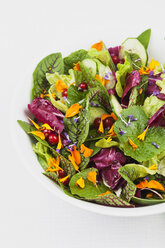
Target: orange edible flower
x,y
98,46
101,128
151,184
72,160
62,180
151,67
38,134
155,185
142,136
77,67
46,126
73,110
134,146
140,91
101,80
142,184
111,131
54,164
76,155
60,86
87,151
92,176
106,193
113,116
35,124
80,182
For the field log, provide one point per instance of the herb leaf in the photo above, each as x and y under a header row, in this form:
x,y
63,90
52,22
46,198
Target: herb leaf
x,y
144,38
52,63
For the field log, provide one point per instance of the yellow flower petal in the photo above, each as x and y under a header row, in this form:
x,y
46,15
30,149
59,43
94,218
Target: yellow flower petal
x,y
134,146
142,136
73,110
101,128
101,80
46,126
109,139
80,182
142,184
92,176
38,134
155,185
153,167
98,46
60,86
76,155
72,160
87,151
64,179
153,64
77,67
35,124
59,146
106,193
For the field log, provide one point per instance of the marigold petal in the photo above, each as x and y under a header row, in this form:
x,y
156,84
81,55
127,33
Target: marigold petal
x,y
153,167
142,135
87,151
134,146
98,46
35,124
104,116
71,158
73,110
153,64
92,176
80,182
142,184
38,134
101,80
155,185
59,146
46,126
77,67
60,86
101,127
62,180
106,193
76,154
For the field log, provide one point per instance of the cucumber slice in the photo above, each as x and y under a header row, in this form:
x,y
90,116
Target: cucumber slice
x,y
116,107
91,65
133,45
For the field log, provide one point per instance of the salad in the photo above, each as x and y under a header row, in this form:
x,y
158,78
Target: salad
x,y
97,123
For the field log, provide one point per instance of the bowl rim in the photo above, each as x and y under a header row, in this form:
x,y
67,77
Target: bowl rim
x,y
92,207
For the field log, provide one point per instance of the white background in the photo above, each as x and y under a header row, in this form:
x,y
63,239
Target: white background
x,y
31,216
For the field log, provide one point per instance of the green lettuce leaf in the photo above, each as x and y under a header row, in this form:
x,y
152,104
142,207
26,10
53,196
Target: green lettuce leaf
x,y
52,63
103,143
161,84
74,95
146,150
123,69
151,105
73,58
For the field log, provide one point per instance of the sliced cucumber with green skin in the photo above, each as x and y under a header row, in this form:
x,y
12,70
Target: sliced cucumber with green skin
x,y
90,64
116,107
133,45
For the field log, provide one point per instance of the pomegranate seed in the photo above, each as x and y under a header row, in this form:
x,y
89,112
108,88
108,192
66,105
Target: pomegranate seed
x,y
61,173
64,93
108,122
47,132
53,139
115,59
97,122
66,182
82,86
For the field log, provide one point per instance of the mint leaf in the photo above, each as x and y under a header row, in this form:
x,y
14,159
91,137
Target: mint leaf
x,y
144,38
145,150
52,63
73,58
65,164
102,96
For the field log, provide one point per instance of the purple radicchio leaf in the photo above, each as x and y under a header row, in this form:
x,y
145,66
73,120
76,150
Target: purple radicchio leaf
x,y
158,119
45,112
132,80
114,51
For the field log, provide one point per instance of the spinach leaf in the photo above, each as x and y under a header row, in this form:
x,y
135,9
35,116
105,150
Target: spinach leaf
x,y
52,63
102,96
144,38
147,202
74,95
73,58
145,150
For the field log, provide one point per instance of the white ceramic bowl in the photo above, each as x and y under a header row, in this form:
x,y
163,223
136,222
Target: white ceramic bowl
x,y
25,153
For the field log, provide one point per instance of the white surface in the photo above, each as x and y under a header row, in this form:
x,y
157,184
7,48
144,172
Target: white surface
x,y
30,215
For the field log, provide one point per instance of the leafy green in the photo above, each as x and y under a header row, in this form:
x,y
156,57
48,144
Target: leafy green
x,y
103,143
144,38
136,61
64,163
73,58
78,130
52,63
96,112
74,95
145,150
123,69
147,202
130,172
102,95
93,193
161,84
94,148
151,105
